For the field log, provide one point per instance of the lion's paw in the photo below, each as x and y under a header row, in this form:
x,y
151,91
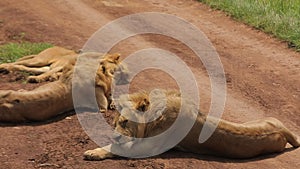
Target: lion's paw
x,y
34,79
96,154
4,68
112,106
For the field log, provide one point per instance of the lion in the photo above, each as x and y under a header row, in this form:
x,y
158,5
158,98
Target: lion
x,y
48,65
45,66
54,98
230,140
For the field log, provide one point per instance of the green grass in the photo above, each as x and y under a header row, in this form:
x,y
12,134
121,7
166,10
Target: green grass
x,y
278,17
12,51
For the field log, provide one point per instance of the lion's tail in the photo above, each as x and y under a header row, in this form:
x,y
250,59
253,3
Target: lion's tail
x,y
291,138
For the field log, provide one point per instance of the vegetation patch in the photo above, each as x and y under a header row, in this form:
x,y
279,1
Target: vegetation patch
x,y
12,51
278,17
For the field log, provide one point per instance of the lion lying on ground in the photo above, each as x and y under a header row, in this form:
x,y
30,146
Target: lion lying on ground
x,y
230,140
55,97
48,65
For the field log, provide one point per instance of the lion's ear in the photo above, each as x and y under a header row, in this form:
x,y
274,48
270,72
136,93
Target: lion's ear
x,y
116,56
113,57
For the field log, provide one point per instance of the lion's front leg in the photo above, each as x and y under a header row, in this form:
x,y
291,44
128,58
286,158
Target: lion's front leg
x,y
97,154
101,100
9,67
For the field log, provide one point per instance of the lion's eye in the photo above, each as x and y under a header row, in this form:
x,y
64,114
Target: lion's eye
x,y
123,123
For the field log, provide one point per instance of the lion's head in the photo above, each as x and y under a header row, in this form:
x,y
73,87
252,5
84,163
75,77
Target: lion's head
x,y
132,108
145,114
111,66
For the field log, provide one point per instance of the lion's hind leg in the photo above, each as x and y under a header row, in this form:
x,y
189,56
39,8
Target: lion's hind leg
x,y
6,68
28,64
26,58
33,62
51,75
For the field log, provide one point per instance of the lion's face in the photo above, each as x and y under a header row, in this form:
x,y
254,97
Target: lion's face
x,y
112,67
151,109
125,125
126,129
148,110
110,64
132,111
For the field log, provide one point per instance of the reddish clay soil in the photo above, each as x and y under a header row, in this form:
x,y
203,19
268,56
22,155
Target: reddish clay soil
x,y
263,79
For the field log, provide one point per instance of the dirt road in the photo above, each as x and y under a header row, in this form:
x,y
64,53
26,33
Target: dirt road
x,y
263,79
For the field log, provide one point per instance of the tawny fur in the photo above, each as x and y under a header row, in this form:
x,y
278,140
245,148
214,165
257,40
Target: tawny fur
x,y
49,64
230,140
45,66
54,98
